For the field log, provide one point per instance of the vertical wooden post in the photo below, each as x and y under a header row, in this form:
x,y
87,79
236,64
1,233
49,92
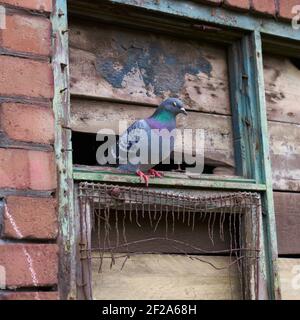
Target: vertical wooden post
x,y
264,166
63,151
84,267
251,143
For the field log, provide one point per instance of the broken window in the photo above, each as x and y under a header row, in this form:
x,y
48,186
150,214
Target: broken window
x,y
122,74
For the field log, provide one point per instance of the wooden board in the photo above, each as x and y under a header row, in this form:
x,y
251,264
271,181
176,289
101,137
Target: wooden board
x,y
178,277
132,65
282,79
289,272
89,116
139,67
165,277
285,155
287,211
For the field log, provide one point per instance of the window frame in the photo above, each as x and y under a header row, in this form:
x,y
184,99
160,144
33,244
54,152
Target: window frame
x,y
251,142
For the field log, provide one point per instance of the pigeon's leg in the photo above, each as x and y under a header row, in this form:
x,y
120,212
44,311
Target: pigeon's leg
x,y
155,173
143,176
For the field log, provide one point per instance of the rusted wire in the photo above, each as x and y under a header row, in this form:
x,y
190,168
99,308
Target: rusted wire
x,y
116,208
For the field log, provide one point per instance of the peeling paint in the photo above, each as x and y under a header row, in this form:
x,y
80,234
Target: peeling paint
x,y
159,68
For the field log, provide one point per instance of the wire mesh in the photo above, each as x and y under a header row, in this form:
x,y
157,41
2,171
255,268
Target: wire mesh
x,y
107,211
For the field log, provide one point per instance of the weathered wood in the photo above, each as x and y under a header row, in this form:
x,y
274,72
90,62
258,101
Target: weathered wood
x,y
61,110
166,277
167,174
223,183
217,16
194,12
209,94
288,222
285,155
91,116
282,96
91,43
95,47
84,290
289,278
144,67
263,171
250,264
282,79
242,113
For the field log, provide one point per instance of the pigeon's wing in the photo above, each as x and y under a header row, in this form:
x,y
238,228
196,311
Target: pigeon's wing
x,y
131,137
130,141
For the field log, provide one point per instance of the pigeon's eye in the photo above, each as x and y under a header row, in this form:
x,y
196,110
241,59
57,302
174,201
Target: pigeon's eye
x,y
174,104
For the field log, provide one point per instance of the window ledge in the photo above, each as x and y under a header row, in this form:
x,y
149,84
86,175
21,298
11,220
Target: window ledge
x,y
104,174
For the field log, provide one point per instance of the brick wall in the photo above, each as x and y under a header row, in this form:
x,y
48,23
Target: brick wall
x,y
28,215
281,9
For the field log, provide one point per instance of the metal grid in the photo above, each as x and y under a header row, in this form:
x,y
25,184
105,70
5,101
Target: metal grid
x,y
106,210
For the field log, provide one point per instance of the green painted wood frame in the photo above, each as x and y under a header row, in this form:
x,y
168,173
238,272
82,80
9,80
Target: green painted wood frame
x,y
63,152
249,120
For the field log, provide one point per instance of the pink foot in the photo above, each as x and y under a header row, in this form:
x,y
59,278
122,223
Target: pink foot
x,y
155,173
144,177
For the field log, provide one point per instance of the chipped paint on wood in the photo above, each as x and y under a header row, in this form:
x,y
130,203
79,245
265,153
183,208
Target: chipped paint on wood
x,y
282,78
61,107
263,166
285,155
215,15
144,67
254,119
229,183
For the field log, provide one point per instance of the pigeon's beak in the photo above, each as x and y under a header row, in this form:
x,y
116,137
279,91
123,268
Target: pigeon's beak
x,y
182,110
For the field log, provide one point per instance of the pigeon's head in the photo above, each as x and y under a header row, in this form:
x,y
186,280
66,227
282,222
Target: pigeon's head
x,y
173,105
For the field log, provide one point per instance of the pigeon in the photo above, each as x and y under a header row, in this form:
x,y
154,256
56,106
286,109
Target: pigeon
x,y
139,134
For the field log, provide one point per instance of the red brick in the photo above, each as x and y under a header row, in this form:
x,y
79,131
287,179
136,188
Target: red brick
x,y
28,34
40,5
34,218
264,6
28,265
285,8
27,169
23,77
27,123
238,4
30,296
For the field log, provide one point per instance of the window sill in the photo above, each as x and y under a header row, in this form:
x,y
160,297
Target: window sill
x,y
174,179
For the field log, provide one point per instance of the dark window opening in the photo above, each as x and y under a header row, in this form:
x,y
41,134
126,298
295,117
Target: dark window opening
x,y
295,62
85,148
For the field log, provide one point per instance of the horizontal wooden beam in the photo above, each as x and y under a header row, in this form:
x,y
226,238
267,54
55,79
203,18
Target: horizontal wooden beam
x,y
167,277
230,183
215,15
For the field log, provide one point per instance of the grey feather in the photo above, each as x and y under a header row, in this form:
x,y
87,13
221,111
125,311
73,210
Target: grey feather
x,y
131,141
